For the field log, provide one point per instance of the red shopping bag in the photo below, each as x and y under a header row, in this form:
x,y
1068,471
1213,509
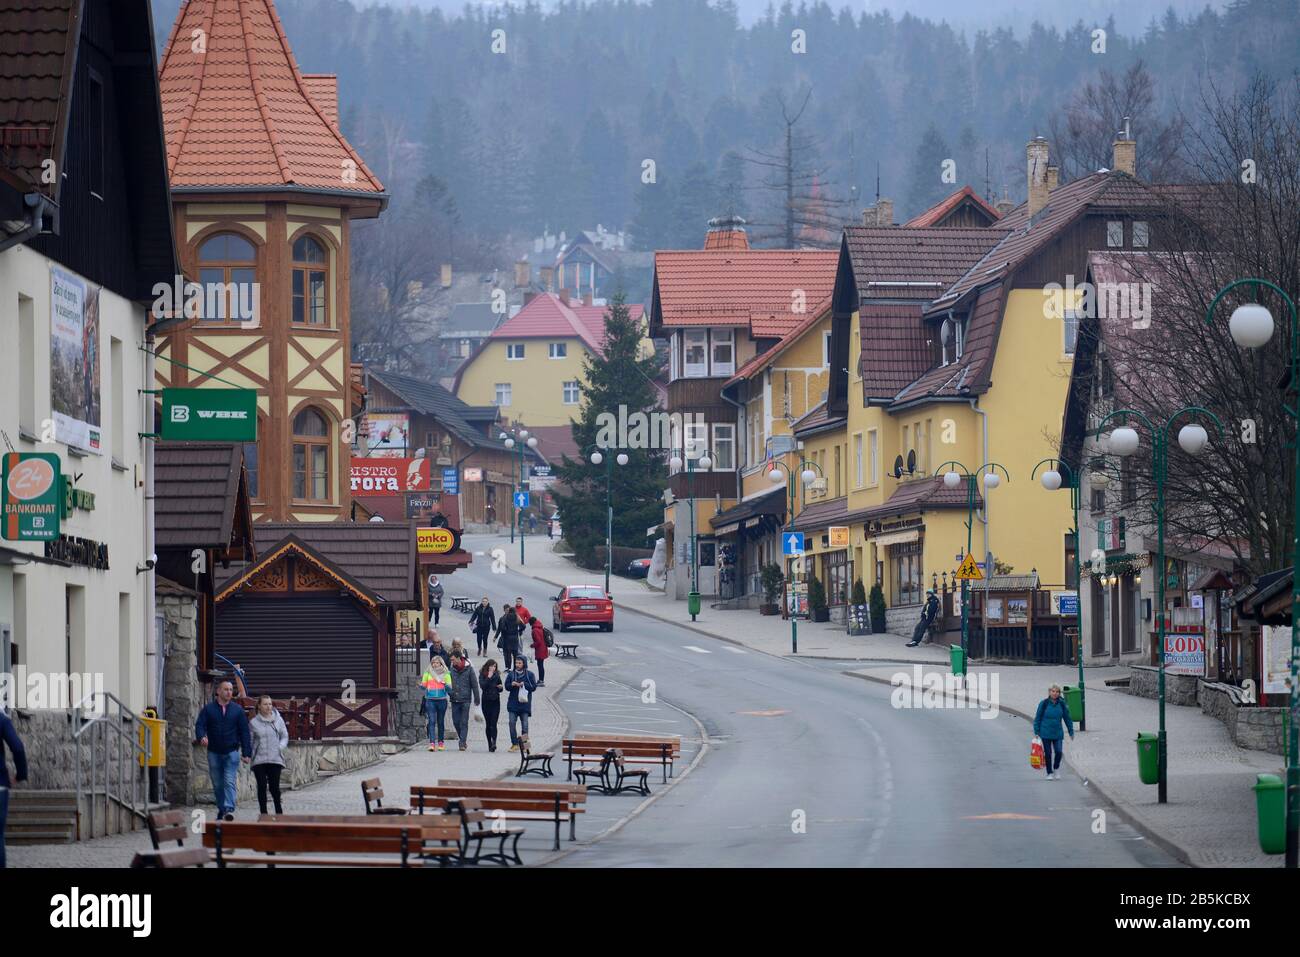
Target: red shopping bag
x,y
1036,753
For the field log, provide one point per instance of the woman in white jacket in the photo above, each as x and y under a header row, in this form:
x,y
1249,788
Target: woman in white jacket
x,y
270,739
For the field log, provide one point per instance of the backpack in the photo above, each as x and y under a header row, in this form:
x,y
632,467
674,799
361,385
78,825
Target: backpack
x,y
548,638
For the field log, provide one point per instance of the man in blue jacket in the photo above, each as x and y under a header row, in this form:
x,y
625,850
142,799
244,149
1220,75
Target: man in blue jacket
x,y
222,728
9,739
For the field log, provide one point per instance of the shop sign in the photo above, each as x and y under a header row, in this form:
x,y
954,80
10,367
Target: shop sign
x,y
389,476
425,502
473,475
78,551
434,541
32,496
209,415
74,498
839,536
1185,652
1110,533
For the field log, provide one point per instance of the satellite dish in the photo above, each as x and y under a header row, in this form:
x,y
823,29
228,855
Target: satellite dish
x,y
898,467
911,462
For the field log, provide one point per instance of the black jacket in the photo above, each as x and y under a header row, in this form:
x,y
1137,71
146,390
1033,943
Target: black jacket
x,y
930,609
225,732
9,738
508,630
483,620
491,687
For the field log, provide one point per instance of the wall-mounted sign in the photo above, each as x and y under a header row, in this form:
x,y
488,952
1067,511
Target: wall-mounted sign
x,y
209,415
434,541
74,360
450,482
387,434
473,475
78,551
76,498
839,536
32,496
423,502
1185,653
1110,533
389,476
1065,603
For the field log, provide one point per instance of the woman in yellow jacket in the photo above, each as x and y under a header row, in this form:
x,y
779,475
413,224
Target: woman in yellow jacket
x,y
436,682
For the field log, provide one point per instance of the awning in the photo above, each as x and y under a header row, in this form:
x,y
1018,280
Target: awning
x,y
897,538
739,515
728,529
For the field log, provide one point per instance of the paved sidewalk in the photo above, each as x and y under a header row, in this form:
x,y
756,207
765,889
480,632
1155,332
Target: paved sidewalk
x,y
341,793
1210,819
767,633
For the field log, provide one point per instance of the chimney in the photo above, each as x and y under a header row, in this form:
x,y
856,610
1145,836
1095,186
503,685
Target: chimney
x,y
1124,149
522,273
587,297
1053,177
546,275
564,296
882,214
1036,166
726,232
1004,205
446,275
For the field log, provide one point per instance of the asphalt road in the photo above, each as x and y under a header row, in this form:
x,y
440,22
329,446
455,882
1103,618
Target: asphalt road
x,y
809,767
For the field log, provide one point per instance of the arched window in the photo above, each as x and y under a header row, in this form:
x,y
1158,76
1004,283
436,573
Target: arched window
x,y
228,272
311,457
310,282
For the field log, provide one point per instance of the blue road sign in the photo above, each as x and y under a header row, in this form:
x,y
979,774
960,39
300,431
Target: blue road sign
x,y
1069,604
792,543
450,482
521,499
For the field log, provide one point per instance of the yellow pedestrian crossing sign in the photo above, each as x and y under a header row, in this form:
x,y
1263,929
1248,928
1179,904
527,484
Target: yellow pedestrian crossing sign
x,y
969,571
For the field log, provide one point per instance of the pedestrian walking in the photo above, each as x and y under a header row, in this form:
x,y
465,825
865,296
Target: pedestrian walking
x,y
522,612
436,682
521,684
928,612
508,628
1052,713
464,694
433,644
483,621
222,728
436,592
270,738
9,740
489,681
540,654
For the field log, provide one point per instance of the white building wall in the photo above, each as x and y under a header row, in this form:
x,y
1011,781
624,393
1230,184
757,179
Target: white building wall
x,y
118,517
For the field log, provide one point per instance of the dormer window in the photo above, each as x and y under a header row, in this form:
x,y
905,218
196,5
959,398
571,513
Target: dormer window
x,y
946,341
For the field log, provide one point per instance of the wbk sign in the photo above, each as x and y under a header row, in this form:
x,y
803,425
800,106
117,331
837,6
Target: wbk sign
x,y
209,415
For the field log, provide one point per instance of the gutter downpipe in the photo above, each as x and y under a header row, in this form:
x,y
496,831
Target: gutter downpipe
x,y
36,206
154,652
984,457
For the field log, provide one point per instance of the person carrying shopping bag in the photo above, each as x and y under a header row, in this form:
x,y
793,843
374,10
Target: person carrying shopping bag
x,y
1052,713
521,684
436,682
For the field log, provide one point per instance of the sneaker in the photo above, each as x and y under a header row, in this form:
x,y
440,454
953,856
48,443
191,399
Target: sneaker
x,y
442,745
464,747
432,746
514,747
1049,775
229,817
912,644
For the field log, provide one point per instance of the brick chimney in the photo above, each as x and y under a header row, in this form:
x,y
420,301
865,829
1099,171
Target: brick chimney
x,y
1036,167
1124,150
1053,177
546,275
726,232
882,214
1004,205
564,295
446,275
587,298
522,273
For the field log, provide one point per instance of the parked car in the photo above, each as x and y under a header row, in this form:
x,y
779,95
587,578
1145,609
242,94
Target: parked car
x,y
582,605
639,568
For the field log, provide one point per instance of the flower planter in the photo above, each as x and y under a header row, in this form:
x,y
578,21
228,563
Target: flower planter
x,y
821,614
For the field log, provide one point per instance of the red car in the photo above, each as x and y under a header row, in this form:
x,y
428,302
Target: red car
x,y
582,605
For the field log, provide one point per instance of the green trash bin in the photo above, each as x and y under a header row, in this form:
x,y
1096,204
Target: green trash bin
x,y
1148,757
958,659
693,603
1073,701
1270,804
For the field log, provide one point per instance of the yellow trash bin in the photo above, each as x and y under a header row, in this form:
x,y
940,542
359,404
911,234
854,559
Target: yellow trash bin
x,y
156,728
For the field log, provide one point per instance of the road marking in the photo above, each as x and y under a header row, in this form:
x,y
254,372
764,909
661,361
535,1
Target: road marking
x,y
735,651
630,651
700,651
764,714
1004,816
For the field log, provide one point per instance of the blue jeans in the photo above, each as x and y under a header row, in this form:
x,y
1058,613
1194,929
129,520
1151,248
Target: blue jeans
x,y
4,812
435,713
224,771
516,716
1050,745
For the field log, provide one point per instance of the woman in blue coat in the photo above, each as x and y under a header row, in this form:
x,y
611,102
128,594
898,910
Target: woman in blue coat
x,y
1052,713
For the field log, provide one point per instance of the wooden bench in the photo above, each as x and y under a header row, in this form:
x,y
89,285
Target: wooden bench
x,y
390,843
372,790
166,826
472,817
663,750
567,649
517,801
612,775
534,762
174,857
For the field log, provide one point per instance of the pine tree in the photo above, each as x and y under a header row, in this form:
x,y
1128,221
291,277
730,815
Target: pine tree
x,y
928,186
618,377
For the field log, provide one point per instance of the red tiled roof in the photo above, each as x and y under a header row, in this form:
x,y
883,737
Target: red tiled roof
x,y
323,88
241,114
716,287
547,317
759,327
38,40
935,214
726,239
554,442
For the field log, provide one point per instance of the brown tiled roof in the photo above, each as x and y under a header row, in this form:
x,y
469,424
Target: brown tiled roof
x,y
894,351
196,493
819,419
970,374
935,214
937,256
380,556
919,494
726,287
240,114
835,511
38,42
554,442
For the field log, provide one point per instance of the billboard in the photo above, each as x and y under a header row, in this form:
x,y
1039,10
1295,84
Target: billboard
x,y
389,476
209,415
388,435
74,361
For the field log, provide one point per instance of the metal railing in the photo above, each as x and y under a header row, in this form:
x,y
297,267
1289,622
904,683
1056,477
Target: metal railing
x,y
111,724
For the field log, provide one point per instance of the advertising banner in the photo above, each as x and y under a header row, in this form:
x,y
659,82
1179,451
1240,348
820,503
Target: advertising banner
x,y
389,476
1277,659
388,435
209,415
33,493
1185,653
74,361
434,541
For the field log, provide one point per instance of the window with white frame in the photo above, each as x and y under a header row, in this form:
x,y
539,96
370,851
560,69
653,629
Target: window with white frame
x,y
1071,332
961,337
697,439
858,474
826,348
674,343
695,353
873,457
946,344
1141,235
1115,233
558,350
724,447
514,350
503,393
571,392
724,351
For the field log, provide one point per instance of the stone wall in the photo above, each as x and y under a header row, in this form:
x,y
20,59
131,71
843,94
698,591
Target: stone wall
x,y
184,696
902,621
307,763
1258,729
409,722
1179,689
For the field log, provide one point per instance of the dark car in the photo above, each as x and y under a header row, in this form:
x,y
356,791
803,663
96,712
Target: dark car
x,y
582,605
639,568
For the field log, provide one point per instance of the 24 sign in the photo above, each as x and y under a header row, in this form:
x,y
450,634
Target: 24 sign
x,y
32,493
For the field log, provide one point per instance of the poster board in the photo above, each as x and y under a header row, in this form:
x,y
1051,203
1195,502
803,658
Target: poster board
x,y
859,619
74,361
1276,666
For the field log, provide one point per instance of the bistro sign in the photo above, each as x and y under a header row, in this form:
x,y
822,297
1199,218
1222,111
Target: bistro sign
x,y
78,551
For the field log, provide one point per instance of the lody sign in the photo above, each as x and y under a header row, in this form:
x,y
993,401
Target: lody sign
x,y
33,496
209,415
